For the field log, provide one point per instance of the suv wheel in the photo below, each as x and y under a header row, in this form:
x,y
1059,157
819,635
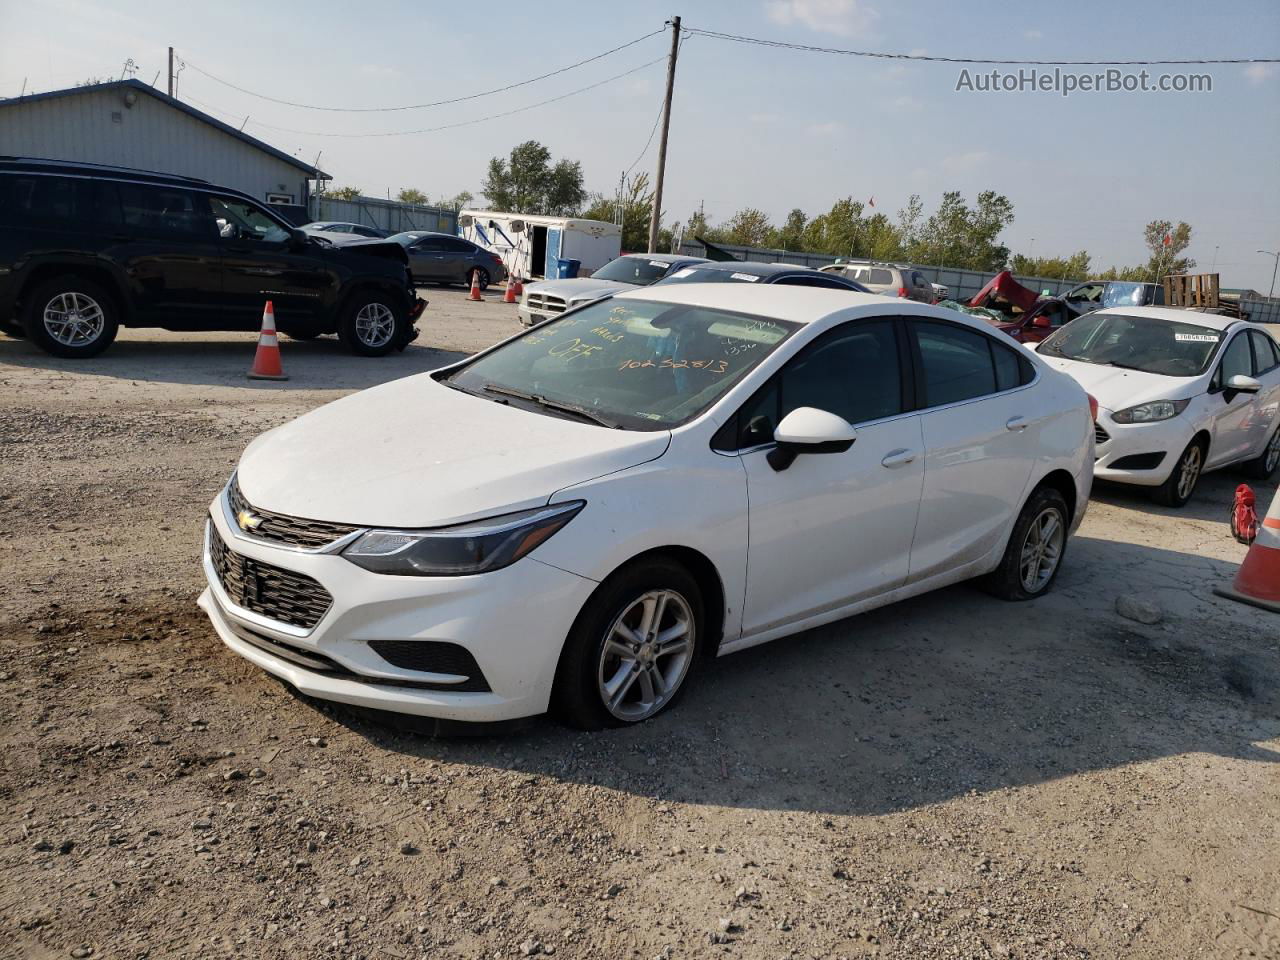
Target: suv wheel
x,y
372,325
70,316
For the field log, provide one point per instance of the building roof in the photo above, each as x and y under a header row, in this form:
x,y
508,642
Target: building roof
x,y
140,87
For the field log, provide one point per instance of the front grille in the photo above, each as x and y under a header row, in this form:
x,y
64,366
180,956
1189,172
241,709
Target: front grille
x,y
268,590
292,531
433,656
546,303
1100,435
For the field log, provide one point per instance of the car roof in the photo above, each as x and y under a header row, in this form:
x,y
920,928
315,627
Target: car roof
x,y
103,171
757,268
1214,321
662,257
796,304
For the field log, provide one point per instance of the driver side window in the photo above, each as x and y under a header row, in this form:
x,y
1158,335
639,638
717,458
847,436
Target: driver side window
x,y
852,372
241,221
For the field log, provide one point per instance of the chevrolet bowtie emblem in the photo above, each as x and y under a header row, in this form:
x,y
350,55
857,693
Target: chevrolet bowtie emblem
x,y
247,520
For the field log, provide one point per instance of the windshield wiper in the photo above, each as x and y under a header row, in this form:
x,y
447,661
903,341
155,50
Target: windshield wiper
x,y
556,405
1123,366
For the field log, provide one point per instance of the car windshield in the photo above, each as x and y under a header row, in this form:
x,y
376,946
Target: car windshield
x,y
635,364
640,271
1124,294
1149,344
711,275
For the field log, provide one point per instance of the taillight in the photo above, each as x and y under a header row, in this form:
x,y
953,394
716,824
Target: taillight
x,y
496,259
1093,406
902,292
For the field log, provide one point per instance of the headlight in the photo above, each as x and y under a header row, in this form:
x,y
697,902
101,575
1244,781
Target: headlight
x,y
476,547
1150,412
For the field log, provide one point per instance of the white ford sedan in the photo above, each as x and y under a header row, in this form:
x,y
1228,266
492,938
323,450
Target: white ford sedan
x,y
576,518
1179,393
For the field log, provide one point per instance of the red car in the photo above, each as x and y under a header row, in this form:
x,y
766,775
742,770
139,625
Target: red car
x,y
1030,318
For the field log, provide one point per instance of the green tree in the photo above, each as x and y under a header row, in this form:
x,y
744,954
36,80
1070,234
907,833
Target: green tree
x,y
461,200
1074,267
1166,257
343,193
749,227
957,235
790,236
837,231
634,208
412,195
526,182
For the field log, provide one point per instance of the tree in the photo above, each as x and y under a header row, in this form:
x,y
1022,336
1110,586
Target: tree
x,y
412,195
790,236
1165,258
632,209
463,199
1074,267
956,235
526,182
749,227
343,193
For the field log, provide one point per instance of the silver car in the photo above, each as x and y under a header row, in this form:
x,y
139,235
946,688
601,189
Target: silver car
x,y
444,258
550,298
889,279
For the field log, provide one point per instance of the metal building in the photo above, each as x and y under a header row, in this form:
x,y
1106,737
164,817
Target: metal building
x,y
128,123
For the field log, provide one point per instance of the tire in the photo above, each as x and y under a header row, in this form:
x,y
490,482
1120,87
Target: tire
x,y
1043,521
587,667
484,278
91,318
11,328
1263,466
372,324
1179,488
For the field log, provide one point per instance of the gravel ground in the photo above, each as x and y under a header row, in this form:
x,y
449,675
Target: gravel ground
x,y
948,777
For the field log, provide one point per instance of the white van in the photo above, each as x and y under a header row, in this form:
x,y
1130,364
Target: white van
x,y
532,247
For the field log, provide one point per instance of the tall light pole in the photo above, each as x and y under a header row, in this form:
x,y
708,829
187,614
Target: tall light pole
x,y
1273,271
655,217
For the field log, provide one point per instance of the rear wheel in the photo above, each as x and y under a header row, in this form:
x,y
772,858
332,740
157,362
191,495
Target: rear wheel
x,y
484,278
13,329
1177,490
372,325
70,316
1034,554
1263,466
632,648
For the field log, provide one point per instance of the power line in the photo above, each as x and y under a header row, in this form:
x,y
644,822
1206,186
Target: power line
x,y
447,126
437,103
806,48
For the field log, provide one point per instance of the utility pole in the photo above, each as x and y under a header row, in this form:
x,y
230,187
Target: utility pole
x,y
1273,271
171,71
656,216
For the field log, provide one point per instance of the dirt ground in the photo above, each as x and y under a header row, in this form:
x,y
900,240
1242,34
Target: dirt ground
x,y
948,777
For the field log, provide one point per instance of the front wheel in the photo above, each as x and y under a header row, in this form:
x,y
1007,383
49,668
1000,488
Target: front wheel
x,y
632,648
1034,554
72,317
1177,490
372,325
1263,466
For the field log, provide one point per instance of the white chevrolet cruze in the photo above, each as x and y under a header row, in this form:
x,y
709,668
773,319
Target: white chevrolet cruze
x,y
577,517
1179,393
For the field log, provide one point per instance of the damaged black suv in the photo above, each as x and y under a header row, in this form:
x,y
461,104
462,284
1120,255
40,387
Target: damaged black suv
x,y
86,249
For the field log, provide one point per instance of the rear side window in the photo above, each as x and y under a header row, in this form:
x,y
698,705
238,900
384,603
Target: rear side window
x,y
811,280
879,275
165,211
40,201
960,364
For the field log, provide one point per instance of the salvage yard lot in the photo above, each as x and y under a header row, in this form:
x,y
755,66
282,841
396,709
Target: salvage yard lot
x,y
951,776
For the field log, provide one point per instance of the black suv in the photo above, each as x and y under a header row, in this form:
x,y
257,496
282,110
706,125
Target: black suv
x,y
85,249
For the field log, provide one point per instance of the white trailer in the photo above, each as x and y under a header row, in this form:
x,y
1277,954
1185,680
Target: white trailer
x,y
532,247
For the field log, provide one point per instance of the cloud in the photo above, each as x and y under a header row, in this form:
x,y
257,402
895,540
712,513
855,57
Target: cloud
x,y
1033,34
1257,73
825,129
844,18
965,162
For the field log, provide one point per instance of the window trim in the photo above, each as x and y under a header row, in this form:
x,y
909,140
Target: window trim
x,y
906,384
918,363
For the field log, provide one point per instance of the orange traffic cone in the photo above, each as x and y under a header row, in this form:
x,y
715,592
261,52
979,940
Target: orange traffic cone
x,y
475,286
266,362
510,295
1258,579
519,288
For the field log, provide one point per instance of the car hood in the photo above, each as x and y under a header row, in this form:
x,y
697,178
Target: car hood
x,y
415,453
579,288
387,249
1115,388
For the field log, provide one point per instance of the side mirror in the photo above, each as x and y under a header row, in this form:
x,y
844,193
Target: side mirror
x,y
809,430
1042,321
1242,384
297,239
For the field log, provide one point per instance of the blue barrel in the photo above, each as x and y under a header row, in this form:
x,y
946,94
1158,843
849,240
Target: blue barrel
x,y
567,269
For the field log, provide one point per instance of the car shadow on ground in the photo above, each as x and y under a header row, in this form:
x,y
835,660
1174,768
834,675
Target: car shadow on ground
x,y
1215,493
931,698
225,359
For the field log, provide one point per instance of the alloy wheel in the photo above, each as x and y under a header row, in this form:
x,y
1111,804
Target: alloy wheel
x,y
1273,452
1042,549
646,655
74,319
1189,472
375,325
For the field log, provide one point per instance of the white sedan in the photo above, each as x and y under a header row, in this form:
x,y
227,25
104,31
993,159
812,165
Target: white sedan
x,y
578,517
1179,393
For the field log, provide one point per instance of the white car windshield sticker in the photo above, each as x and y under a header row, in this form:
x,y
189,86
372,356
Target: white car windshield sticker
x,y
686,272
750,278
658,263
1196,337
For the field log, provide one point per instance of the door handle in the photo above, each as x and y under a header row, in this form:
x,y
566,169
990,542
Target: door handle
x,y
898,458
1016,423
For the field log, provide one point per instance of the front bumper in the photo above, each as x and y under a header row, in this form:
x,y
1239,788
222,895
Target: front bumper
x,y
1128,442
512,621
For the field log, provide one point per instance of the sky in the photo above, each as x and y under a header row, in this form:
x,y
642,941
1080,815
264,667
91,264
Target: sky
x,y
751,125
